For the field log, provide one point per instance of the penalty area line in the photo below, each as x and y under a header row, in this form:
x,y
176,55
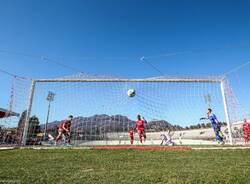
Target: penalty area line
x,y
7,148
220,148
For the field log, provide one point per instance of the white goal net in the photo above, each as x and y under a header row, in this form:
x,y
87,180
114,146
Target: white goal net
x,y
103,112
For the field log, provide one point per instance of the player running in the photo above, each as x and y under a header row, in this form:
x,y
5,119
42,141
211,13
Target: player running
x,y
215,125
131,136
64,129
140,126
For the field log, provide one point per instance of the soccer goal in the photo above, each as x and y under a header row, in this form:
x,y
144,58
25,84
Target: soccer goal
x,y
105,108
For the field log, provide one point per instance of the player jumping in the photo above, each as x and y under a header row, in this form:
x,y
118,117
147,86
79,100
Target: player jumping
x,y
131,136
140,126
64,129
215,125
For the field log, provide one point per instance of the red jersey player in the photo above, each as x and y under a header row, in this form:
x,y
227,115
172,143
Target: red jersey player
x,y
246,131
140,126
131,135
64,129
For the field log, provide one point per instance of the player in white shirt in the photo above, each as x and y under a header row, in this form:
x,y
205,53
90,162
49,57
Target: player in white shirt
x,y
166,139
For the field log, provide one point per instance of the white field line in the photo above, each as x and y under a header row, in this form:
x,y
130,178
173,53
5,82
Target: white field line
x,y
90,147
7,148
57,147
221,148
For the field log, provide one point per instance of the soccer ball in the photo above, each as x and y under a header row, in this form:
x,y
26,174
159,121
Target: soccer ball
x,y
131,92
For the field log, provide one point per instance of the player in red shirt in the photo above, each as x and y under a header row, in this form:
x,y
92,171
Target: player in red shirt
x,y
246,131
131,135
140,126
64,129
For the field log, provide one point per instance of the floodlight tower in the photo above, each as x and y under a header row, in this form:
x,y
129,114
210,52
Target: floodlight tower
x,y
208,100
50,98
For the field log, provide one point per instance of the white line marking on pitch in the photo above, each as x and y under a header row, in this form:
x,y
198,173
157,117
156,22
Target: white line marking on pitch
x,y
221,148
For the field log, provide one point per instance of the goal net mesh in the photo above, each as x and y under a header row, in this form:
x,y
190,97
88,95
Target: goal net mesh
x,y
103,112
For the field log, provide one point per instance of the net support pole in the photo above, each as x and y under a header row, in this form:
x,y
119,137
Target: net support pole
x,y
29,107
225,105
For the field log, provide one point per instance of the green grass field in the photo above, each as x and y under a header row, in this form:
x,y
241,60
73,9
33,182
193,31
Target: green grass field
x,y
124,166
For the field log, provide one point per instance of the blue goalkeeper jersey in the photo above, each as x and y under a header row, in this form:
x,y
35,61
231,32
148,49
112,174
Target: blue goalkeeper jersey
x,y
213,120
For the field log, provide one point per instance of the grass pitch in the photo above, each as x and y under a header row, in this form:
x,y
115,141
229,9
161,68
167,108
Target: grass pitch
x,y
124,166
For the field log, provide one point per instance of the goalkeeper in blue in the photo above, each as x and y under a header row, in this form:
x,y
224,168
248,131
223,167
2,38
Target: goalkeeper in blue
x,y
215,125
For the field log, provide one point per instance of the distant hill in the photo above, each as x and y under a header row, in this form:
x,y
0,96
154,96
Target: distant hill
x,y
160,125
106,123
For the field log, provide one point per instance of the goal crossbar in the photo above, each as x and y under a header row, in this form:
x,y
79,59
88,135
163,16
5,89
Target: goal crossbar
x,y
134,80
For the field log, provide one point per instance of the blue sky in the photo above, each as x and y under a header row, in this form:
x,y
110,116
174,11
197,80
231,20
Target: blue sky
x,y
110,37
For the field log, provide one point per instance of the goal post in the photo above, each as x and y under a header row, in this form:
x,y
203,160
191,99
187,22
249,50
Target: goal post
x,y
225,104
155,105
29,107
